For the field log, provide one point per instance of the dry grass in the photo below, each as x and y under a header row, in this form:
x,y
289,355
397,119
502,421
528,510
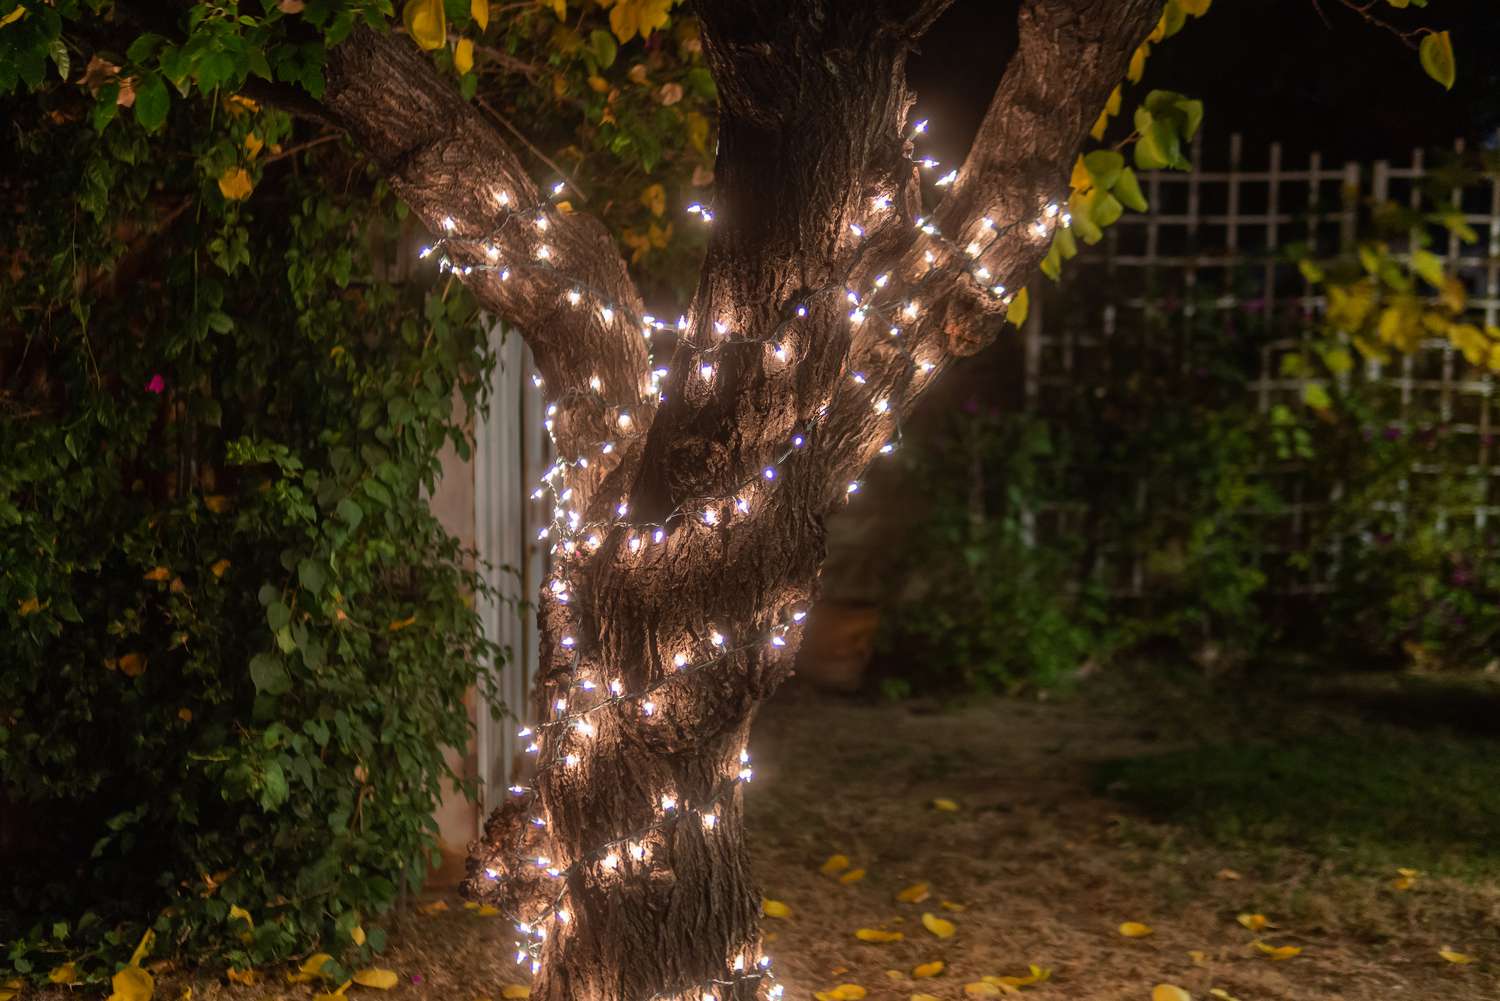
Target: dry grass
x,y
1045,868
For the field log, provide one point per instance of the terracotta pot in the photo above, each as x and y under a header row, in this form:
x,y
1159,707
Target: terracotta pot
x,y
837,645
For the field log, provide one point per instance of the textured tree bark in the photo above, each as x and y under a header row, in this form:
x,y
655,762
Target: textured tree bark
x,y
637,805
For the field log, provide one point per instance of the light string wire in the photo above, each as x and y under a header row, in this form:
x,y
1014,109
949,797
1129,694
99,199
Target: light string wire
x,y
569,527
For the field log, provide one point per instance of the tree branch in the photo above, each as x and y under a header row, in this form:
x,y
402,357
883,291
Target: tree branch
x,y
567,288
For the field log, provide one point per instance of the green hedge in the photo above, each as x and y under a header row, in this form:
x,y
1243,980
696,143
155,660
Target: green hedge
x,y
235,640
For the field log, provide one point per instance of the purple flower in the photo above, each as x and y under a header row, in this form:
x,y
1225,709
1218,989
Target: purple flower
x,y
157,384
1392,433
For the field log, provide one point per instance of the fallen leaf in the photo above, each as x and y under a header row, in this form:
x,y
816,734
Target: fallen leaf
x,y
1221,994
931,969
246,977
143,948
11,988
1456,957
915,893
514,992
1036,975
1405,879
337,995
1198,956
775,909
311,969
67,973
487,911
433,908
469,905
381,980
132,984
946,805
835,864
925,997
30,606
938,926
1255,922
949,905
1226,874
981,989
843,992
157,573
852,876
895,975
877,935
1279,951
1169,992
1134,929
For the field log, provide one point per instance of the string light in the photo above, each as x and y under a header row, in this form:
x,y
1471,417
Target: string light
x,y
571,534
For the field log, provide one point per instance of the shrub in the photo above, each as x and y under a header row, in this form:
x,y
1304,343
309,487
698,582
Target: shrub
x,y
235,639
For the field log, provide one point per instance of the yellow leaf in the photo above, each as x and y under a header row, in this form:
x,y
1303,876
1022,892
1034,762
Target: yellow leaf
x,y
253,144
1169,992
11,988
434,907
775,909
234,184
982,989
1037,975
945,805
14,15
479,10
157,573
931,969
1081,180
1255,922
487,911
217,503
1138,63
1101,124
236,911
426,23
246,977
30,606
357,934
469,905
399,624
381,980
655,199
914,997
843,992
1197,8
624,20
463,56
598,84
835,864
915,893
852,876
1279,951
697,130
1456,957
219,567
514,992
1018,308
132,665
311,969
132,984
949,905
67,973
1134,929
877,935
1436,54
1405,879
1198,956
337,995
940,927
559,7
1226,874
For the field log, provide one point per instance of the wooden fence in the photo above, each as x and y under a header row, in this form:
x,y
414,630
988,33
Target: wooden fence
x,y
1216,240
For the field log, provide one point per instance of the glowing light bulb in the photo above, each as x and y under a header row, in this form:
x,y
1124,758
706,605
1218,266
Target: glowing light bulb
x,y
571,760
680,661
448,223
611,862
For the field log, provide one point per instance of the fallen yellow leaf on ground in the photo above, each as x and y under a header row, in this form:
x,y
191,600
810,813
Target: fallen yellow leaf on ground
x,y
1037,975
938,926
876,935
310,969
67,973
843,992
11,988
835,864
1169,992
246,977
1456,957
1279,951
931,969
1134,929
775,909
949,905
1198,956
1227,874
1255,922
852,876
434,907
487,911
514,992
1221,994
981,989
925,997
337,995
381,980
915,893
946,805
132,984
1405,879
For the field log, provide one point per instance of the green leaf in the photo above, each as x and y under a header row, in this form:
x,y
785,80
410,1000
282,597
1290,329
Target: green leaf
x,y
310,573
278,615
1128,190
269,674
604,46
151,102
1104,166
1436,54
1107,208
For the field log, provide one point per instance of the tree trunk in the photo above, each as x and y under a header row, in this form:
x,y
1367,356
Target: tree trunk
x,y
688,516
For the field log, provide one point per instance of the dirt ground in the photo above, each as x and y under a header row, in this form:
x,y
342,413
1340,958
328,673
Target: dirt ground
x,y
1044,868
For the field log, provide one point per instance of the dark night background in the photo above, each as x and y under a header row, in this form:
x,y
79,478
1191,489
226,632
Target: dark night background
x,y
1268,69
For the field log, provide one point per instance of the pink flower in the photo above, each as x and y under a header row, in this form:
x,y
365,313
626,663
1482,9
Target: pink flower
x,y
156,385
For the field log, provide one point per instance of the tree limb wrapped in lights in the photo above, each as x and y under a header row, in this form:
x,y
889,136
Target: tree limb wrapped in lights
x,y
698,457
